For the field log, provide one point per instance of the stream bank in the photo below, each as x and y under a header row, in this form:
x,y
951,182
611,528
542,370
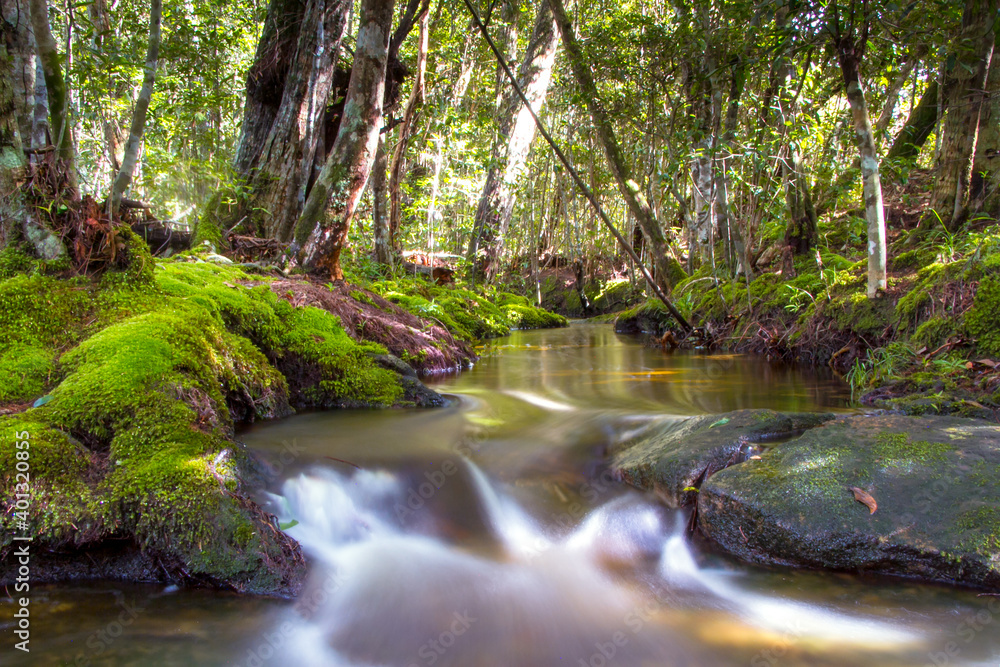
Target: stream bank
x,y
127,388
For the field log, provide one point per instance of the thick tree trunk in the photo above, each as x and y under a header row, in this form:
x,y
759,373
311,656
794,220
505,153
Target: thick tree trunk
x,y
124,178
874,213
664,264
288,89
984,187
321,230
23,63
919,125
974,50
58,93
405,132
510,153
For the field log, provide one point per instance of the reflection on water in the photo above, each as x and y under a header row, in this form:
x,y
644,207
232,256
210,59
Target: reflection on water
x,y
488,533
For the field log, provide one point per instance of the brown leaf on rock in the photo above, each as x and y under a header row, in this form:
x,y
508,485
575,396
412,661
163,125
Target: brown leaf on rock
x,y
865,499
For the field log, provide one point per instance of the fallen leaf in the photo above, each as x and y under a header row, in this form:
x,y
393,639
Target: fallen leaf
x,y
865,499
228,284
989,363
721,422
755,458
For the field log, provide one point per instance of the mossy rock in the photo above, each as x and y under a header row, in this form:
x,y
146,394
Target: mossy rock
x,y
674,458
139,475
982,322
648,317
935,482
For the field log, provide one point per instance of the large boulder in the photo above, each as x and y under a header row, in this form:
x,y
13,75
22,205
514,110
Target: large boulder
x,y
910,496
673,458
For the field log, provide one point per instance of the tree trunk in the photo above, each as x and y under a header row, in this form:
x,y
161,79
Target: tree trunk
x,y
919,125
405,132
288,89
801,231
321,230
892,95
984,187
124,178
874,213
664,264
48,54
510,153
23,63
973,52
380,206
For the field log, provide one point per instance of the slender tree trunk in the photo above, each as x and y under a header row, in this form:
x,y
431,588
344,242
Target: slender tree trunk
x,y
736,253
665,265
405,133
380,206
984,187
874,213
974,50
321,230
124,178
510,153
892,95
48,54
288,89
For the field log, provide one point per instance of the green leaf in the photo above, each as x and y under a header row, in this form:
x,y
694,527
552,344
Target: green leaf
x,y
285,525
689,488
721,422
42,401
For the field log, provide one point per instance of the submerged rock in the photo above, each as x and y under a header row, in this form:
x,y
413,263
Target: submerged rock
x,y
675,458
933,511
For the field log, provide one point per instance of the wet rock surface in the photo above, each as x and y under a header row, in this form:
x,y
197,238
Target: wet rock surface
x,y
672,457
880,494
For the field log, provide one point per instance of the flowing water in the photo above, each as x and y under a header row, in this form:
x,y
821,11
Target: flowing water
x,y
488,533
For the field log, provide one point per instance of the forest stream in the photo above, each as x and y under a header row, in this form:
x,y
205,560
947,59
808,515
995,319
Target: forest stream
x,y
489,533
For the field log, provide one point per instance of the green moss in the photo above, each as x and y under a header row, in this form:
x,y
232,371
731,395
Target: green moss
x,y
41,311
982,321
932,333
897,449
14,260
26,372
982,525
57,468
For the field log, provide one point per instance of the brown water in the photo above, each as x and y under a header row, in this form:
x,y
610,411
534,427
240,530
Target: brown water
x,y
487,533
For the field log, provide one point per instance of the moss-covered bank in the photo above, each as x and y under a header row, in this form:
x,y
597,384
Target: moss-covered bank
x,y
916,348
140,378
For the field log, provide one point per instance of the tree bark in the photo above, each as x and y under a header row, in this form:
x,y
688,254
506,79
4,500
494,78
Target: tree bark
x,y
321,230
23,63
630,190
984,186
58,93
973,52
874,212
919,125
288,89
510,153
380,206
413,105
124,178
892,95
